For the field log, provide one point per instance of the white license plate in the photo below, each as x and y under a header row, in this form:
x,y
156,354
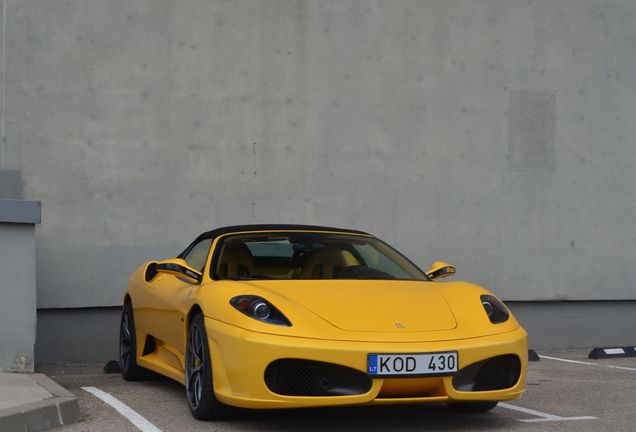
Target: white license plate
x,y
404,365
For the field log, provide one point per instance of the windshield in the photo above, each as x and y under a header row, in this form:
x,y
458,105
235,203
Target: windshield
x,y
310,255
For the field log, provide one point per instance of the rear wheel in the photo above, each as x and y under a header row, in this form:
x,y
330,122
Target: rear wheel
x,y
130,370
472,407
199,387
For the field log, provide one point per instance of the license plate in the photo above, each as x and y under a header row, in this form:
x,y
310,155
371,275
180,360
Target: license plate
x,y
410,365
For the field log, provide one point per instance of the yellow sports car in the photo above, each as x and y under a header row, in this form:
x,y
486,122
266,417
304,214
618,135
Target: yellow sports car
x,y
283,316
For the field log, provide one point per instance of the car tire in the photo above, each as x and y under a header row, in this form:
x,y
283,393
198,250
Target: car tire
x,y
472,407
199,386
130,370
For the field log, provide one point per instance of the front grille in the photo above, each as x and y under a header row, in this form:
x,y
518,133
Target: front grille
x,y
297,377
496,373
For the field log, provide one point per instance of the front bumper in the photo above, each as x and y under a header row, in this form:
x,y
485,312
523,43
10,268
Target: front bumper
x,y
240,359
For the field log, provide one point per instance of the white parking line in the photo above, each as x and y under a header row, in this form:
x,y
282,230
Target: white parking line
x,y
620,367
141,423
586,363
568,361
544,417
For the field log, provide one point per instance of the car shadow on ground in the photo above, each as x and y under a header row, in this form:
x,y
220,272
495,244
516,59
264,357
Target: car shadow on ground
x,y
369,418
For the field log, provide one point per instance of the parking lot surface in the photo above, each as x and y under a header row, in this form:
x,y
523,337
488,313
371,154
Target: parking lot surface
x,y
566,391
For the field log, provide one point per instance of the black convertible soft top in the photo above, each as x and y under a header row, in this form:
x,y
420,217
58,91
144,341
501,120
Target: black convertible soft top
x,y
265,227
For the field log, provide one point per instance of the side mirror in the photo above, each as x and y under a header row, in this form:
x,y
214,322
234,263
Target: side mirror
x,y
440,270
179,268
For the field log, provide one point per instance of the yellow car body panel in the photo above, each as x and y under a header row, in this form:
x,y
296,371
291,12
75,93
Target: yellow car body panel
x,y
333,321
243,375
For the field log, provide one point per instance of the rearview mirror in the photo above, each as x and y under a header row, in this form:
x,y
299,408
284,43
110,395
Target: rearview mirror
x,y
439,270
179,268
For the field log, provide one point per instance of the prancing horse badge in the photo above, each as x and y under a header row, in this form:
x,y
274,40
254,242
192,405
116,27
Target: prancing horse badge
x,y
399,325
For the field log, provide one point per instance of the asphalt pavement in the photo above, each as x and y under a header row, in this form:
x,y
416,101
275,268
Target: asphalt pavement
x,y
566,390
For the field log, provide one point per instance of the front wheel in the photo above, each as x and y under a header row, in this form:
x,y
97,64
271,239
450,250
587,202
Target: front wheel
x,y
199,387
472,407
130,370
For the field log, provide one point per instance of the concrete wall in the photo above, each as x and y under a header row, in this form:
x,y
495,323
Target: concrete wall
x,y
17,284
77,335
493,134
577,324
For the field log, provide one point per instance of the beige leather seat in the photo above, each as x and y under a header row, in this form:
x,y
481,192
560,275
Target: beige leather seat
x,y
237,260
326,264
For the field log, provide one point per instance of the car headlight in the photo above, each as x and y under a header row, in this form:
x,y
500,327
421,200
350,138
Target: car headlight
x,y
259,309
495,309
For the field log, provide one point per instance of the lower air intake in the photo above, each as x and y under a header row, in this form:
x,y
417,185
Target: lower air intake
x,y
496,373
297,377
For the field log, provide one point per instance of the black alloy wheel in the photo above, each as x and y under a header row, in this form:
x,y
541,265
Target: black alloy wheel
x,y
199,386
130,370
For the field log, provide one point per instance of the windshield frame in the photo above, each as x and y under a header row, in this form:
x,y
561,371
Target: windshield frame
x,y
303,239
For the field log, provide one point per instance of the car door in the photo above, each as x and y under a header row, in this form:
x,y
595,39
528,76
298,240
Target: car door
x,y
171,303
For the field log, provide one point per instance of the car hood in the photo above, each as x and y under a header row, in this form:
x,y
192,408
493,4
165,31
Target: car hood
x,y
370,305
